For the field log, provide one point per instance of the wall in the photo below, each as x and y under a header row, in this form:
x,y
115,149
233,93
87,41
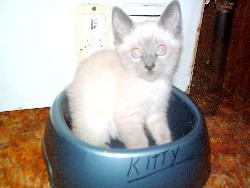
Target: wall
x,y
38,53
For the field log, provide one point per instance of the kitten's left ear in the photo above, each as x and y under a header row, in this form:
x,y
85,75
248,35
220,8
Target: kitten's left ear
x,y
121,23
171,18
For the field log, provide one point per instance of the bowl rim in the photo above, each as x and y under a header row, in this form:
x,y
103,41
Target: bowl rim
x,y
61,128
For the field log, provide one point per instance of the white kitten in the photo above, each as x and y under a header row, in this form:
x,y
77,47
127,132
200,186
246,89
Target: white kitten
x,y
120,93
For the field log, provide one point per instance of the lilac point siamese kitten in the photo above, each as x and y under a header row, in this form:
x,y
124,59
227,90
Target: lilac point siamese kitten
x,y
118,94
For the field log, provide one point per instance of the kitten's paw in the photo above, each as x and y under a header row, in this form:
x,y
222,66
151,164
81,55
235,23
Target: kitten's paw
x,y
91,138
137,143
163,138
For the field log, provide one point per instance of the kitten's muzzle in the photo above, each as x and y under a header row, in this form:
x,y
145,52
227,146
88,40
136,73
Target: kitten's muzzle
x,y
149,63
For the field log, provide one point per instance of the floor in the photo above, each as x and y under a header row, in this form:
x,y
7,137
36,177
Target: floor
x,y
22,163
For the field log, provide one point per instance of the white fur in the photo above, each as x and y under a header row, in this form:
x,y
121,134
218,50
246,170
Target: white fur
x,y
106,101
113,95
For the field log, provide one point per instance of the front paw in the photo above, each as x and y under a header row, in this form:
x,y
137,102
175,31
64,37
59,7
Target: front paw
x,y
137,143
163,138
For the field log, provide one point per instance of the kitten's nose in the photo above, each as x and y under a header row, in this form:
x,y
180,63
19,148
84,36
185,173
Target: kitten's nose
x,y
150,66
149,63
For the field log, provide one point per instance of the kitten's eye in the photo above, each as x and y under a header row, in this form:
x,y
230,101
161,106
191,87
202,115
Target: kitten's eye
x,y
161,50
136,53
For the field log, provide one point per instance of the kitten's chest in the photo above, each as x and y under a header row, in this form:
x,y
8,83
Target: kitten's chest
x,y
142,94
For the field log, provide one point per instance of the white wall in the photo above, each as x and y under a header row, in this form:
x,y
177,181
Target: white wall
x,y
38,53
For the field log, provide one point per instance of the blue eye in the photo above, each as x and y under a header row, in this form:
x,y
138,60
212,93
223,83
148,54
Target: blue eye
x,y
136,53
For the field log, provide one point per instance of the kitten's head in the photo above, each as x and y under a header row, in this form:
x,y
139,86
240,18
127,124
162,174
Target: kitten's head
x,y
149,49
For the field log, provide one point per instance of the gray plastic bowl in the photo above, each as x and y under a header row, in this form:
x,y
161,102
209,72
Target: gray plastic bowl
x,y
182,163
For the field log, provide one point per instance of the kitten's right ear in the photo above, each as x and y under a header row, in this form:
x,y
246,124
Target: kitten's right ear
x,y
121,24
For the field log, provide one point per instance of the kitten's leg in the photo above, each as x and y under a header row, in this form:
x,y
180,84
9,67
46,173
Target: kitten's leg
x,y
91,129
158,127
132,133
94,138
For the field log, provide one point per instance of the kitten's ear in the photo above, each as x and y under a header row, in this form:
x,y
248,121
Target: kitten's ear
x,y
171,18
121,24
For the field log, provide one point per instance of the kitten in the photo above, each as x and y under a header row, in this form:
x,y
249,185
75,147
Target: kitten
x,y
117,94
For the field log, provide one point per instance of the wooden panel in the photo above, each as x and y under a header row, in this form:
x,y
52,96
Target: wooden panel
x,y
237,68
237,74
